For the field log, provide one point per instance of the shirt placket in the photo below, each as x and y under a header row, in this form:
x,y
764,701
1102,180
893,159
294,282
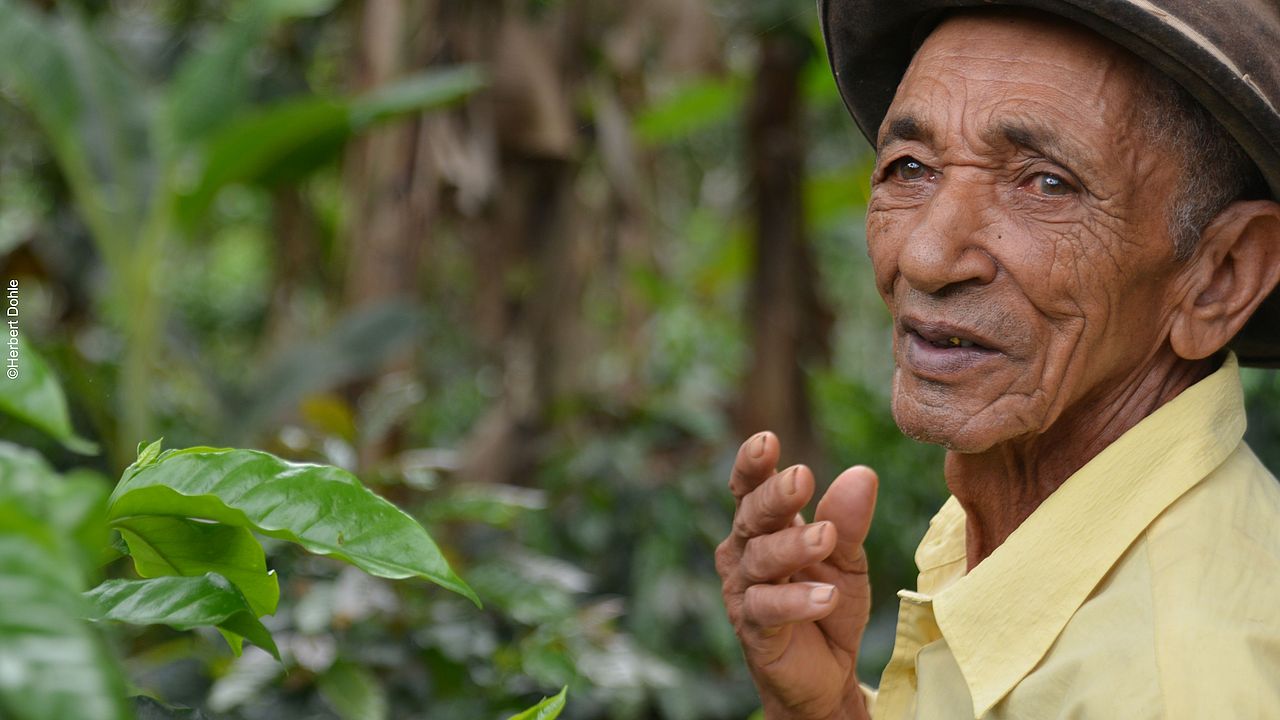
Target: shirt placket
x,y
916,629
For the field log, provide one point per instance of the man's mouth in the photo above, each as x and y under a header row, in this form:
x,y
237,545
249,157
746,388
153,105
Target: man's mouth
x,y
944,336
941,351
952,342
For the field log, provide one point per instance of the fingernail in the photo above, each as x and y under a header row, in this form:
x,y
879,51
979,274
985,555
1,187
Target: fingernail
x,y
757,448
814,534
822,594
789,482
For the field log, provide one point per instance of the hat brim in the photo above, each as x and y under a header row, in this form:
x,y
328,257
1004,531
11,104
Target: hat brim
x,y
870,44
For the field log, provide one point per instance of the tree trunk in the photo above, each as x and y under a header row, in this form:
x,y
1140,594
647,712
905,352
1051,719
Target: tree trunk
x,y
528,249
391,184
788,323
393,190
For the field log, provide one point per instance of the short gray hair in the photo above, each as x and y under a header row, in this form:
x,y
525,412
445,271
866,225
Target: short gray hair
x,y
1216,171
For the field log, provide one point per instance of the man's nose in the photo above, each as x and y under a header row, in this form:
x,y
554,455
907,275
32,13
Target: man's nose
x,y
947,247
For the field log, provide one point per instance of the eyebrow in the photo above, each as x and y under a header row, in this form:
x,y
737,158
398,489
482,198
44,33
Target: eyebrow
x,y
905,128
1041,141
1031,137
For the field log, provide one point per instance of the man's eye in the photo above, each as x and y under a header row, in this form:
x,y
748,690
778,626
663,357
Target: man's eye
x,y
908,168
1050,184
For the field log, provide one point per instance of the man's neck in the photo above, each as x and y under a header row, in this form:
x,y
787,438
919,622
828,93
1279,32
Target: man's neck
x,y
1001,487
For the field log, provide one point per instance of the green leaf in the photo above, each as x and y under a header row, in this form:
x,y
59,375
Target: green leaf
x,y
423,91
270,146
52,665
35,397
147,453
70,509
211,86
162,545
78,508
692,107
353,692
285,142
182,603
25,479
549,709
212,83
324,509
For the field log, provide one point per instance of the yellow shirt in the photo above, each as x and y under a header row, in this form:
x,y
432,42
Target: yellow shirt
x,y
1147,586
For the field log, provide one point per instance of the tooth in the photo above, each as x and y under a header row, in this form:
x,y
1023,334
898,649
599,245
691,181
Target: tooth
x,y
955,341
965,343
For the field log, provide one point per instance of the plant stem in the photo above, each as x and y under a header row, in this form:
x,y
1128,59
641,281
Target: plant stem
x,y
142,315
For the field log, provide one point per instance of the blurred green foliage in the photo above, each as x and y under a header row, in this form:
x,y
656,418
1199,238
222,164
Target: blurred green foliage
x,y
139,217
144,163
57,667
188,520
597,573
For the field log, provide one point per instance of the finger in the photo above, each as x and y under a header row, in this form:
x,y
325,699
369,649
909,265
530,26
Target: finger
x,y
768,608
849,504
773,505
843,626
728,557
779,555
755,462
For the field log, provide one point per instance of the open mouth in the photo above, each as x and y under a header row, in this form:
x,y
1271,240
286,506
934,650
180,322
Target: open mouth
x,y
940,351
944,336
951,342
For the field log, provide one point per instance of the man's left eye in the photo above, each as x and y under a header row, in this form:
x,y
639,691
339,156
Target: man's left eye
x,y
1050,184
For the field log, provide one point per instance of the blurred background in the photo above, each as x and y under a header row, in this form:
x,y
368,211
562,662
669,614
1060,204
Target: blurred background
x,y
532,269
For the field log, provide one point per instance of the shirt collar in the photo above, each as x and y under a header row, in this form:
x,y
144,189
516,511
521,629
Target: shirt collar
x,y
941,554
1001,617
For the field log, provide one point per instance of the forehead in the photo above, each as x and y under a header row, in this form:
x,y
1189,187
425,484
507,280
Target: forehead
x,y
979,69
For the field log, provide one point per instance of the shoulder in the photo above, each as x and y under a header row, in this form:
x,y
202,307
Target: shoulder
x,y
1227,523
1214,564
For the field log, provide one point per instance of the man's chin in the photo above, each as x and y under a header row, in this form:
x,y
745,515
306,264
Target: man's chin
x,y
951,427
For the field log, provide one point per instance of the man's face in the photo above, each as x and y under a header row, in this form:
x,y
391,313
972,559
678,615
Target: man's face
x,y
1017,227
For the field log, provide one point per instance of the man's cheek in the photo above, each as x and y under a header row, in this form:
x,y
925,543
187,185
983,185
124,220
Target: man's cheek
x,y
883,245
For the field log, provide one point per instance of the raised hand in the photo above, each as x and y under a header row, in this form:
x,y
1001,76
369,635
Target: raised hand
x,y
796,592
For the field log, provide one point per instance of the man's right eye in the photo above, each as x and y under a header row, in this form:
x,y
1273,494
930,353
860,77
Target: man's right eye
x,y
908,168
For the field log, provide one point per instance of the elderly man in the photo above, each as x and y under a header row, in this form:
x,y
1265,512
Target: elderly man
x,y
1071,242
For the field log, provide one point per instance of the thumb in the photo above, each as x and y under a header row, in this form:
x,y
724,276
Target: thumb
x,y
848,504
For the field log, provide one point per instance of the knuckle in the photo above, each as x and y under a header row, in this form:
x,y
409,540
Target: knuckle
x,y
726,558
733,608
773,513
852,562
744,525
757,604
756,559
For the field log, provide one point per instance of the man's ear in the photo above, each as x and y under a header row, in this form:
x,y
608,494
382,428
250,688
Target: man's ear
x,y
1235,268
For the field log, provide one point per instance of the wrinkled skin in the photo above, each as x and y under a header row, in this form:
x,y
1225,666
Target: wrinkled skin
x,y
1018,229
1064,268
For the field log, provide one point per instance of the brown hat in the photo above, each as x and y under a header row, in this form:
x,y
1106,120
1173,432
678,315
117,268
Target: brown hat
x,y
1226,53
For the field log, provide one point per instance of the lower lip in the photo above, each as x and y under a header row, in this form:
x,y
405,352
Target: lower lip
x,y
926,359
